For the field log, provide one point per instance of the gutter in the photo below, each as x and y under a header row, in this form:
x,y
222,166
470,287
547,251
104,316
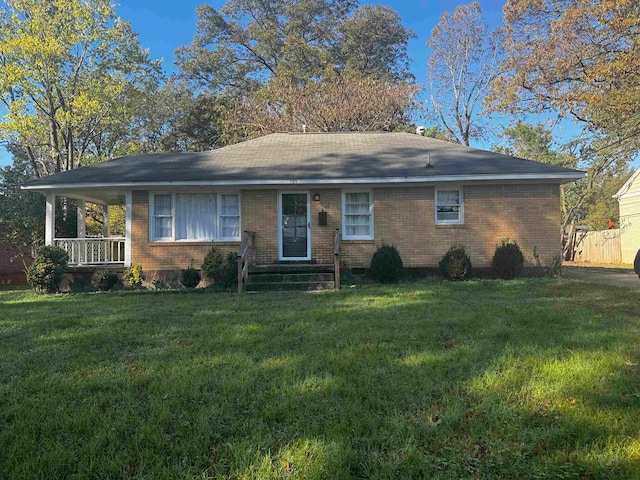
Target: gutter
x,y
567,177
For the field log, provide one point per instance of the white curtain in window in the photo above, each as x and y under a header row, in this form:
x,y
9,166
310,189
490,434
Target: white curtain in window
x,y
449,198
195,216
357,214
162,204
448,206
162,216
230,216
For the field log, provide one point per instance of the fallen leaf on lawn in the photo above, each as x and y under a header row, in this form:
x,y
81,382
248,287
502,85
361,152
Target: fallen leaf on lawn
x,y
433,420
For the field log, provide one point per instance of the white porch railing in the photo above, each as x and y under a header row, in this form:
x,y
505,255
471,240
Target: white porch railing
x,y
93,251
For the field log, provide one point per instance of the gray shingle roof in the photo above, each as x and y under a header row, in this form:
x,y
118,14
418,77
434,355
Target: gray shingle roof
x,y
313,157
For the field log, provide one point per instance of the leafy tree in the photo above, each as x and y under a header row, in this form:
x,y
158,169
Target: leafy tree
x,y
600,206
187,122
578,58
21,211
71,77
533,142
247,42
341,104
536,142
95,220
464,61
435,131
603,165
373,44
587,201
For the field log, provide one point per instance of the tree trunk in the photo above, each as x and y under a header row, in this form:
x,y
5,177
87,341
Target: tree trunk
x,y
53,136
32,161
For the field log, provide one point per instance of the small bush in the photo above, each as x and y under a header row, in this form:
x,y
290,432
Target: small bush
x,y
507,260
134,276
230,275
104,280
456,264
555,269
386,264
189,277
47,270
222,270
214,264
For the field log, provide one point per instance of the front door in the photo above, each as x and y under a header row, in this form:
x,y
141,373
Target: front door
x,y
295,227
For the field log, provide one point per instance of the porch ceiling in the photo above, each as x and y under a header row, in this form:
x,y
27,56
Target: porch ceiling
x,y
98,196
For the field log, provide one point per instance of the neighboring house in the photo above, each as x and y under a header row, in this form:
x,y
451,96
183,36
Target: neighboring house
x,y
294,190
13,264
629,201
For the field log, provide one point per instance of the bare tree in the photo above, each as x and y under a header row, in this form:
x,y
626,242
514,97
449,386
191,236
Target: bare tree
x,y
465,59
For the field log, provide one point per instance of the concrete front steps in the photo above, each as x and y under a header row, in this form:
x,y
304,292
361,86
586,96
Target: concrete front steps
x,y
289,277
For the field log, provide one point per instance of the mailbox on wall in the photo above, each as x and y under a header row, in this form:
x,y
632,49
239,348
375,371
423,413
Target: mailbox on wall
x,y
322,218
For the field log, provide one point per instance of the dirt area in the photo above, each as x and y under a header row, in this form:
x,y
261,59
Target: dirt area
x,y
619,276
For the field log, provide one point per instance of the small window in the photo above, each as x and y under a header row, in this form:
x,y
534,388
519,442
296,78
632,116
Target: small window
x,y
229,217
162,217
449,206
357,216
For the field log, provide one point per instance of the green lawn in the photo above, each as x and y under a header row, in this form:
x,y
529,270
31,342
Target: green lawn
x,y
485,379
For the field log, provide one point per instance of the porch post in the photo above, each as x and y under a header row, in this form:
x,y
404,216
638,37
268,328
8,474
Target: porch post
x,y
127,229
82,219
50,219
105,222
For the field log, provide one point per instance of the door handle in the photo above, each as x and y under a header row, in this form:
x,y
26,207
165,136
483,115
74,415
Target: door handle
x,y
309,225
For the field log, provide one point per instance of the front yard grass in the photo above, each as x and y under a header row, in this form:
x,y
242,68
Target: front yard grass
x,y
483,379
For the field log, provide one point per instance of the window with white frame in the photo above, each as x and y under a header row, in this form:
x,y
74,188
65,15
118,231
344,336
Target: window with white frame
x,y
449,206
357,216
195,217
163,217
229,216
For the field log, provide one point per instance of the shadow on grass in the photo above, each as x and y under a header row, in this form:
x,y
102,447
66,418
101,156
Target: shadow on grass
x,y
483,379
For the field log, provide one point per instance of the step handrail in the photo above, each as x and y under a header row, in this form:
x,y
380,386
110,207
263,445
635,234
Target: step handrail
x,y
336,258
246,255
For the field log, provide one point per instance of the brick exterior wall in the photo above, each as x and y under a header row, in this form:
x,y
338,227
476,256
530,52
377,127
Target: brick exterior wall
x,y
403,216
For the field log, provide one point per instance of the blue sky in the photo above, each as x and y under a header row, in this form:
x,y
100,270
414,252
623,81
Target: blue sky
x,y
165,25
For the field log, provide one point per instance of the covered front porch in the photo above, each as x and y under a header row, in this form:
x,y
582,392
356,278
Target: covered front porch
x,y
109,247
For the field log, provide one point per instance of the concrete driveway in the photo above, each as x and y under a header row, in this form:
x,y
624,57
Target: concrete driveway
x,y
618,277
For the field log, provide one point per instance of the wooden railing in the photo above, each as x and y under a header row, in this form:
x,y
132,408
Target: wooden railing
x,y
246,256
336,258
93,251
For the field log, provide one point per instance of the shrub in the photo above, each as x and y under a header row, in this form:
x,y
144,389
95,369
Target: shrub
x,y
456,264
555,269
47,270
214,264
222,270
189,277
104,280
507,260
386,264
230,275
134,276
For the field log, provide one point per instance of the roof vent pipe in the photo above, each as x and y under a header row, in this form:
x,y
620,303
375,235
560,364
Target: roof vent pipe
x,y
304,129
428,165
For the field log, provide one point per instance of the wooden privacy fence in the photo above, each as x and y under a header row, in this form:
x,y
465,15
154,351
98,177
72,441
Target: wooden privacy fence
x,y
599,247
